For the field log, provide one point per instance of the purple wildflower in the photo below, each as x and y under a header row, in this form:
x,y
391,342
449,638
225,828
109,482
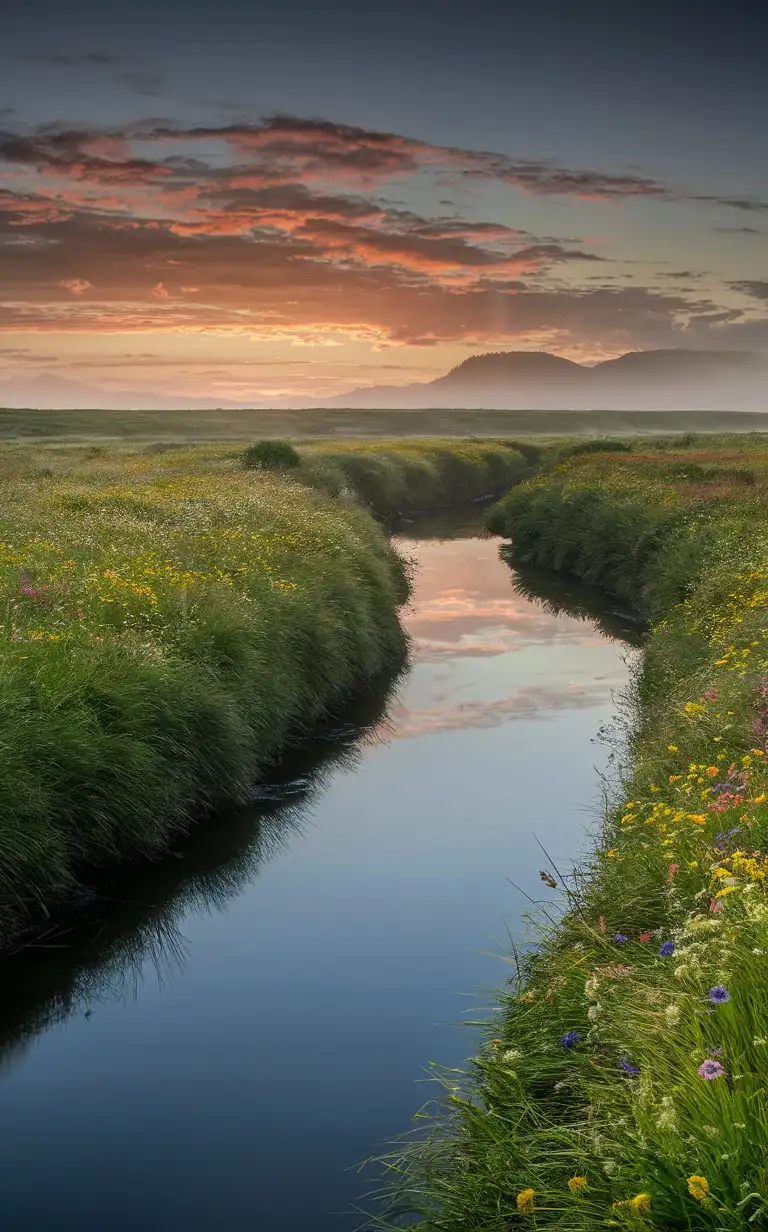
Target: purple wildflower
x,y
710,1070
723,839
620,939
570,1039
719,994
29,591
628,1066
667,949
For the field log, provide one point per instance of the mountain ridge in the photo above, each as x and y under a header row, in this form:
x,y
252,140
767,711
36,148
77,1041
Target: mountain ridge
x,y
670,379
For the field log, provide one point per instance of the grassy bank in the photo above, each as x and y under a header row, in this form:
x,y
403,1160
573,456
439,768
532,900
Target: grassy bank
x,y
399,478
174,620
625,1084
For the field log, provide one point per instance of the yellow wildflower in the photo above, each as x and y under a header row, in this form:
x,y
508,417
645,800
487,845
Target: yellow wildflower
x,y
525,1201
713,771
672,748
641,1202
673,778
577,1184
698,1188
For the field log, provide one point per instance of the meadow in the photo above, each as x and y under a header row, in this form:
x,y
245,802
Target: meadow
x,y
174,619
622,1082
188,426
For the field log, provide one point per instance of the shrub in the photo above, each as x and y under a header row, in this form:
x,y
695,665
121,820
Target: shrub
x,y
271,456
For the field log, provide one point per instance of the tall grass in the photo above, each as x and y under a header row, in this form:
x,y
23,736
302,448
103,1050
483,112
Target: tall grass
x,y
623,1082
398,478
167,629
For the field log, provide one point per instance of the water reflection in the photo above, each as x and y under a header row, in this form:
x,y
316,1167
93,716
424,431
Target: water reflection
x,y
135,929
234,1028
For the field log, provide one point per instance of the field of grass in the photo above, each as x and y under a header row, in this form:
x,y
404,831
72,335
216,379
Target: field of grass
x,y
173,620
183,427
623,1083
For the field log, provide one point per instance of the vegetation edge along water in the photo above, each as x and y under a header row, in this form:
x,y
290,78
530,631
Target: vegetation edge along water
x,y
174,620
623,1082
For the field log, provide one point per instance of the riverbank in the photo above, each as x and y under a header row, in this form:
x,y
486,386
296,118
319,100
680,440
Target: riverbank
x,y
624,1083
173,623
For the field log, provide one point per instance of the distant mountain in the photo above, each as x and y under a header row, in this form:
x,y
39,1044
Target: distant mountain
x,y
49,392
666,380
669,380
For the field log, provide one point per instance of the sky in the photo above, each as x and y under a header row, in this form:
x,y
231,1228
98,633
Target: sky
x,y
249,201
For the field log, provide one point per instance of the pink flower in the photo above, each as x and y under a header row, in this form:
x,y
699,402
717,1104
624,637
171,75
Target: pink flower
x,y
674,869
710,1069
714,905
710,694
645,936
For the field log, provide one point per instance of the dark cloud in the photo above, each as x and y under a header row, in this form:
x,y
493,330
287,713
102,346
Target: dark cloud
x,y
739,230
756,287
748,205
322,148
147,84
77,59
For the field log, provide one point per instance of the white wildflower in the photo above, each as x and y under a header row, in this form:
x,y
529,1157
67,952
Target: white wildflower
x,y
511,1055
591,987
593,1011
672,1014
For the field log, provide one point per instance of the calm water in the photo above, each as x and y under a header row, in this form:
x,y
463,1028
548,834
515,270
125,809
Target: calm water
x,y
241,1024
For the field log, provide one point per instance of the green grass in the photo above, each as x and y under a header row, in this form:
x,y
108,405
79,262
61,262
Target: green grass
x,y
173,619
617,1129
184,427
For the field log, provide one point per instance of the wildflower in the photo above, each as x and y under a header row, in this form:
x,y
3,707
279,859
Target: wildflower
x,y
672,1015
667,949
714,906
628,1066
570,1039
525,1201
645,936
673,748
674,869
548,879
511,1055
593,1011
698,1188
712,771
641,1203
620,939
591,986
577,1184
719,994
710,1070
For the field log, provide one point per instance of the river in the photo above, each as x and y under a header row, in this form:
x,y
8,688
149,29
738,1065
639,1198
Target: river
x,y
218,1044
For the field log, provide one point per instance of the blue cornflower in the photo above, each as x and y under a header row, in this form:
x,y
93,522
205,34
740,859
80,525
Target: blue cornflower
x,y
620,939
570,1039
667,949
628,1067
719,994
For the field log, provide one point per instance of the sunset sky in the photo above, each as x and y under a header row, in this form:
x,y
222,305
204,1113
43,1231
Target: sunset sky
x,y
247,201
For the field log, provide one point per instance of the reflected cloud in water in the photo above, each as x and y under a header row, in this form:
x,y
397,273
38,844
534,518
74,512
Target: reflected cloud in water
x,y
532,702
464,604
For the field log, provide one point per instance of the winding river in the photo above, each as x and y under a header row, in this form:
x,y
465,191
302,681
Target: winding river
x,y
216,1046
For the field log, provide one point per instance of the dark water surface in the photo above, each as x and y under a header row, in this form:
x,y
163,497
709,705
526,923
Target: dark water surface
x,y
220,1044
